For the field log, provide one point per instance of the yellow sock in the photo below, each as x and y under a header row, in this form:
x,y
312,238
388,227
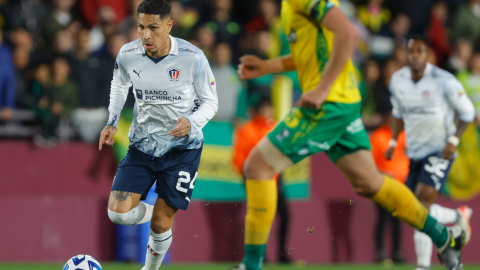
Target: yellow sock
x,y
261,208
396,198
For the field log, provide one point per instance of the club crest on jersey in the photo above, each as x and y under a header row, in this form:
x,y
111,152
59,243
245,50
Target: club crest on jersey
x,y
426,94
174,74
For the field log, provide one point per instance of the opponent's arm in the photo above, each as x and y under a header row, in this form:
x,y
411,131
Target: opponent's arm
x,y
345,35
252,67
118,95
397,124
206,90
457,98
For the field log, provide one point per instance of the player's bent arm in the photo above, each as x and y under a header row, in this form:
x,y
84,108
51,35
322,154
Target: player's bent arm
x,y
118,92
345,35
205,87
461,103
280,64
397,127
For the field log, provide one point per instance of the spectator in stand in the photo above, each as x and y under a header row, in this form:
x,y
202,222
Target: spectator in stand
x,y
400,54
373,15
91,115
133,34
470,80
460,58
205,40
383,44
225,29
64,43
58,19
24,99
398,168
438,36
227,80
102,30
131,20
61,101
22,39
90,10
7,82
466,22
183,20
23,14
372,73
40,90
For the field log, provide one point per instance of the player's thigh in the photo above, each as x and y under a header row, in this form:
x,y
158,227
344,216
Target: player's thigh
x,y
175,183
132,182
426,194
163,216
305,132
264,161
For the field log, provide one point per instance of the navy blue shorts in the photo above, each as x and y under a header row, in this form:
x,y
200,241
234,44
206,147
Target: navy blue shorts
x,y
432,170
175,173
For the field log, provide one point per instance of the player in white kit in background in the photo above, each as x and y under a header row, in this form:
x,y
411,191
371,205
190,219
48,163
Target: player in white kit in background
x,y
425,101
175,96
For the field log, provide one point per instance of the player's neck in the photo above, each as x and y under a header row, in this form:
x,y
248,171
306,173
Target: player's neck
x,y
418,74
161,52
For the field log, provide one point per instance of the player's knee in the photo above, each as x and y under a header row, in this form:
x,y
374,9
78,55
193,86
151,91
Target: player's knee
x,y
364,188
118,218
161,224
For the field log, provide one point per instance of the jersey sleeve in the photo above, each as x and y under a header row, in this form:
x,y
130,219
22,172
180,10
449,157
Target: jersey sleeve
x,y
118,92
315,9
456,96
397,110
205,88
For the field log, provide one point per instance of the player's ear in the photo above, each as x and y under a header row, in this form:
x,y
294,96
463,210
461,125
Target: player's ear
x,y
169,25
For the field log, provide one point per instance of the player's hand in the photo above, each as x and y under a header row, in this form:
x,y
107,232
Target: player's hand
x,y
389,153
251,67
106,137
449,151
312,99
182,128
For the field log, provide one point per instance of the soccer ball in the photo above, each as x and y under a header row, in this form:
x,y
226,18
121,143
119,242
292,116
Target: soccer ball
x,y
82,262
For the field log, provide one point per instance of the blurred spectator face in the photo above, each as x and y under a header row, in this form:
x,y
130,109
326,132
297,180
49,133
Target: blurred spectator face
x,y
73,28
82,40
375,2
21,38
60,69
223,54
401,25
372,71
464,50
205,37
417,55
222,5
475,63
63,42
263,42
106,14
134,6
400,54
268,9
440,11
21,58
115,44
266,110
64,5
133,33
42,74
390,67
177,11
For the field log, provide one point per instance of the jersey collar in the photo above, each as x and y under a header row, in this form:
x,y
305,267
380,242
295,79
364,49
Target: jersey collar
x,y
173,48
428,70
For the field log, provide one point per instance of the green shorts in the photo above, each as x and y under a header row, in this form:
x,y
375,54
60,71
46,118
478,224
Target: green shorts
x,y
335,128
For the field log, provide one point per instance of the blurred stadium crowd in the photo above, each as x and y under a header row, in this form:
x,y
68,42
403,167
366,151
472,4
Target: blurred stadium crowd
x,y
57,56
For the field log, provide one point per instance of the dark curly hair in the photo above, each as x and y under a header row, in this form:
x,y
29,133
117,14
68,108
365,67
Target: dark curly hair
x,y
155,7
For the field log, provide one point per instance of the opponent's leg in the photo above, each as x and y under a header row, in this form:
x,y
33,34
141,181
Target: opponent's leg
x,y
261,192
427,195
125,208
366,180
160,234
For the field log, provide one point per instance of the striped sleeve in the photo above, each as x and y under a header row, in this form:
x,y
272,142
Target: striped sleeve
x,y
317,9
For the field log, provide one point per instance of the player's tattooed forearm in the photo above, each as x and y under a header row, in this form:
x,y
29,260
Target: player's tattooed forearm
x,y
121,195
109,127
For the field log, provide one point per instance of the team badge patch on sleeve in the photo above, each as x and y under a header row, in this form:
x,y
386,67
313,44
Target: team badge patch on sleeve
x,y
174,74
116,65
212,82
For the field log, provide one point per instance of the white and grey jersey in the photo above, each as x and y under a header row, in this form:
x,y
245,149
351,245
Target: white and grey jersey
x,y
428,108
180,85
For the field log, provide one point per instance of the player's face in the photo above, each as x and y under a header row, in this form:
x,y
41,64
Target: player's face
x,y
417,55
153,32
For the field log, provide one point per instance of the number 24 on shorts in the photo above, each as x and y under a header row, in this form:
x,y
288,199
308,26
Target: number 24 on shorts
x,y
185,178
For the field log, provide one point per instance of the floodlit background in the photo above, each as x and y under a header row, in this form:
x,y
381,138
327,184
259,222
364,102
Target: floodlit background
x,y
56,64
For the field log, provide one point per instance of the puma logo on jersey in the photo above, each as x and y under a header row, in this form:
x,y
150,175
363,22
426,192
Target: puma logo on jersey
x,y
138,73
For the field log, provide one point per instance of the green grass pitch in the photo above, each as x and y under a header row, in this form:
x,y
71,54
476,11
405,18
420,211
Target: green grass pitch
x,y
119,266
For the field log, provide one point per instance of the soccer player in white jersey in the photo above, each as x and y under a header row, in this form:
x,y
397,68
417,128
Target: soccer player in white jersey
x,y
425,101
175,97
